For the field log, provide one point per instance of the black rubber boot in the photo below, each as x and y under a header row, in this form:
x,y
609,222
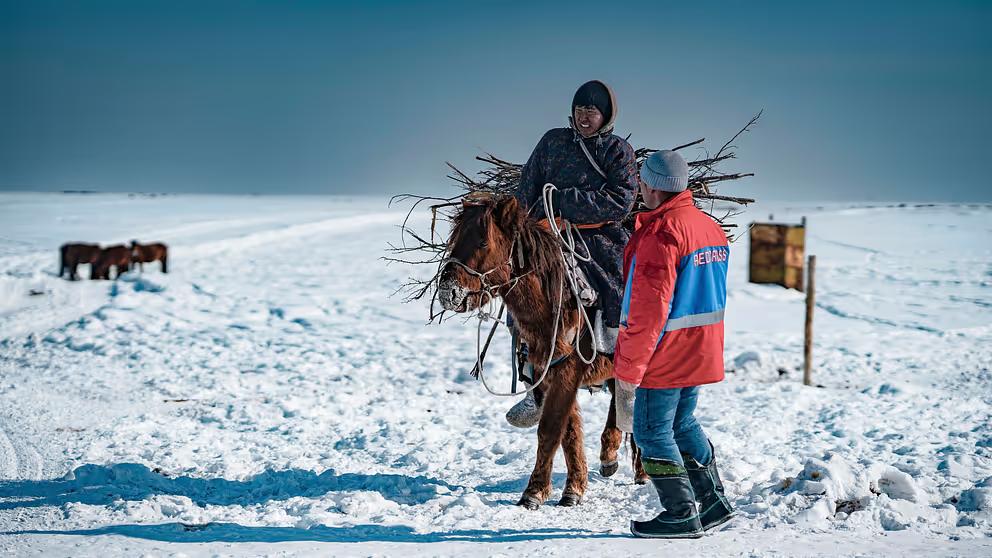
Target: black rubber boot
x,y
714,508
680,520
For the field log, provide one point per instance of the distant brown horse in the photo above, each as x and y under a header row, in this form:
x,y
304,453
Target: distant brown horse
x,y
496,249
73,254
148,253
118,256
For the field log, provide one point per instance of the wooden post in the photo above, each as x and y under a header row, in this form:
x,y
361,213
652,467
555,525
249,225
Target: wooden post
x,y
810,306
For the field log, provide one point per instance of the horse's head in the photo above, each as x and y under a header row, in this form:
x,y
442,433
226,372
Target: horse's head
x,y
479,251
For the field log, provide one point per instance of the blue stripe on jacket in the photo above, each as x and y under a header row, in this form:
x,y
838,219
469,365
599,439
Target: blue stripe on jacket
x,y
701,286
625,306
700,294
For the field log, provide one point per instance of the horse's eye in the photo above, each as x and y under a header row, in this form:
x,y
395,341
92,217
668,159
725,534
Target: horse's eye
x,y
484,243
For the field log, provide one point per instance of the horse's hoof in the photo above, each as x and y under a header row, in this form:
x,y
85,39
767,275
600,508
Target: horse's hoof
x,y
569,499
608,469
529,502
642,480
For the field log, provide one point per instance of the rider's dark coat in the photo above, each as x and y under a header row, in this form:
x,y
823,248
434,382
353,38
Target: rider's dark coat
x,y
584,196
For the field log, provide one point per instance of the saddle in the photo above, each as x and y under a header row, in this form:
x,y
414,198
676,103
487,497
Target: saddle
x,y
605,338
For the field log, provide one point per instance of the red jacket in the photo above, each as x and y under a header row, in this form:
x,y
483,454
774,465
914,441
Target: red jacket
x,y
671,326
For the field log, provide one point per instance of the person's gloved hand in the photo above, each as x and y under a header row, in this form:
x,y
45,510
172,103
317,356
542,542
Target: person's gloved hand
x,y
625,405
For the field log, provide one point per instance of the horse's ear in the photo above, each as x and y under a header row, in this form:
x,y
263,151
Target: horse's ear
x,y
509,211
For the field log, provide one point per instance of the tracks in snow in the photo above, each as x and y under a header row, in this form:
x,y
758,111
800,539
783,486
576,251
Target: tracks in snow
x,y
18,459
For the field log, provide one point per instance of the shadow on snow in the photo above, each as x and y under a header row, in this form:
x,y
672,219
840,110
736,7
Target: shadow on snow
x,y
102,485
234,533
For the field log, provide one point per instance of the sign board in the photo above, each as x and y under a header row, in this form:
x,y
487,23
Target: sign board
x,y
777,254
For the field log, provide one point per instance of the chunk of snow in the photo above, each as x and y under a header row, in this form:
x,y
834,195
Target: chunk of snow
x,y
747,358
898,485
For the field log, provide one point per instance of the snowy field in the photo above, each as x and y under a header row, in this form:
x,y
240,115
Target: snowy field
x,y
267,396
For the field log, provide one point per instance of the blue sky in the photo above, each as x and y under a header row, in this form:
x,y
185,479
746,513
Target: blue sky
x,y
862,100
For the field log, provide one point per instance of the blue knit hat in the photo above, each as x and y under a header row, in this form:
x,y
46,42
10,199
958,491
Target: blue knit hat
x,y
666,171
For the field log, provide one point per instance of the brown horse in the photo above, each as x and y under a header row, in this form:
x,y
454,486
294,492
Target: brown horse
x,y
73,254
148,253
496,250
118,256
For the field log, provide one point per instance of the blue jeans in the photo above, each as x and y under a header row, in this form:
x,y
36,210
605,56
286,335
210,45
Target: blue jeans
x,y
664,426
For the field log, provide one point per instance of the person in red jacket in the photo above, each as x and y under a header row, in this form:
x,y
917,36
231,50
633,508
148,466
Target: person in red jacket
x,y
670,343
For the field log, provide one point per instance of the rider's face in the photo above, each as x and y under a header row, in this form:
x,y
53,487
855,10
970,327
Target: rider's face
x,y
588,120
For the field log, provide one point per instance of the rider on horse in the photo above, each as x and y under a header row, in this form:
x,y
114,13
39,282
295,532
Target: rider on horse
x,y
595,174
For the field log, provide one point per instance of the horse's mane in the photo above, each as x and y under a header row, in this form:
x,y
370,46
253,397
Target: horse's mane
x,y
539,247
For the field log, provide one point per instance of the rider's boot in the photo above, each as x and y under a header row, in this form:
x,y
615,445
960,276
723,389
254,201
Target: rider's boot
x,y
526,413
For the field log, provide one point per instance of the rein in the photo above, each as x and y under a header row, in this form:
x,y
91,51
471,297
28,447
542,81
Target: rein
x,y
582,226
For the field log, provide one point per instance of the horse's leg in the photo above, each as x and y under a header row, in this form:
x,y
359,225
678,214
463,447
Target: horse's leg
x,y
575,459
640,477
558,401
611,438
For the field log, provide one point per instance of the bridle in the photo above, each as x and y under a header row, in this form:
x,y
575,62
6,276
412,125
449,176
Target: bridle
x,y
488,292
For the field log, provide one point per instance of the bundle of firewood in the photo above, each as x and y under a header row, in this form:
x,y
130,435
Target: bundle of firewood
x,y
500,177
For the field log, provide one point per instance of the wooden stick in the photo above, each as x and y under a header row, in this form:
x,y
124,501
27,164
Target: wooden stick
x,y
810,305
742,201
690,144
722,177
711,161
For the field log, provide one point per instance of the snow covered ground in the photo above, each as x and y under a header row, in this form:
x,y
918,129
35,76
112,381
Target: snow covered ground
x,y
267,396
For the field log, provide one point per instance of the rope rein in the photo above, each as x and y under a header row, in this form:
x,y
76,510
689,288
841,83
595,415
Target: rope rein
x,y
566,242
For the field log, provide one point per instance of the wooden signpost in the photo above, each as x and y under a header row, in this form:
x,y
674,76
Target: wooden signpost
x,y
777,252
808,337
